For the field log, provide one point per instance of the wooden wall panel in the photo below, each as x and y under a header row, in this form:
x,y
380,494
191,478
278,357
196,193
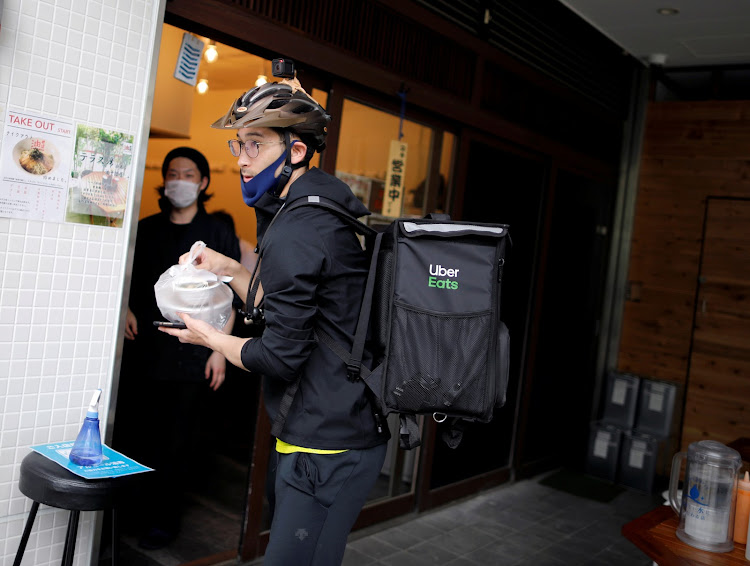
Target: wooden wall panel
x,y
692,151
718,391
713,419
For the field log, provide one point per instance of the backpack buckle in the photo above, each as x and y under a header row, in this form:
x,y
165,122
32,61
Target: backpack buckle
x,y
352,370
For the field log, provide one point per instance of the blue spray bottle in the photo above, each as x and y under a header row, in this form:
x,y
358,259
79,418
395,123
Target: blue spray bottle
x,y
87,449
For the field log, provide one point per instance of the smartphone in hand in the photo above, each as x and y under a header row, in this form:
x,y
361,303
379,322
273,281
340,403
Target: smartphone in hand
x,y
164,323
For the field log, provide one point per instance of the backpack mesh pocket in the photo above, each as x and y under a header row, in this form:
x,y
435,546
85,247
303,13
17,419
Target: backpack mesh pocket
x,y
440,363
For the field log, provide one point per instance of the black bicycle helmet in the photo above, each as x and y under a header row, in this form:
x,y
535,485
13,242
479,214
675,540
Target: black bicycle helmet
x,y
280,105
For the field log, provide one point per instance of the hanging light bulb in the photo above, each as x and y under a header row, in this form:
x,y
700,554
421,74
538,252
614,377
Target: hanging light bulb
x,y
262,79
202,86
211,53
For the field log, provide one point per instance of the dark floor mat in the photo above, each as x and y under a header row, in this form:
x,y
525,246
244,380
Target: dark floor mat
x,y
581,485
128,556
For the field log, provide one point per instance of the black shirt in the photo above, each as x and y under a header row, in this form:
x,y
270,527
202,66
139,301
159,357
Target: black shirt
x,y
159,245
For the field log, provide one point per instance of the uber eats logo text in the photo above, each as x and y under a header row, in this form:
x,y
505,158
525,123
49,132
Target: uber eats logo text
x,y
437,271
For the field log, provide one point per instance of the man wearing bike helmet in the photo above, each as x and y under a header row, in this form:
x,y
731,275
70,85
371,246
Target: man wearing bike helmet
x,y
312,271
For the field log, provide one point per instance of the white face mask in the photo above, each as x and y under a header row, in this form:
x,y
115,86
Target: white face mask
x,y
181,193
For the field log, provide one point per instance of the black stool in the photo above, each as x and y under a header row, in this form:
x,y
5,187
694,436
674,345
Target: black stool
x,y
45,481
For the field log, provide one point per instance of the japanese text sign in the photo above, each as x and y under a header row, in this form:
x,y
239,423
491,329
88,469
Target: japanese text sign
x,y
395,177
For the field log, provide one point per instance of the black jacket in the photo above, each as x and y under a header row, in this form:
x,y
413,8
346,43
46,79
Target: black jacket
x,y
313,272
159,244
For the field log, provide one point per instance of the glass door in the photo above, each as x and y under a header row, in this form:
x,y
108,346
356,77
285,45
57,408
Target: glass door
x,y
500,184
362,160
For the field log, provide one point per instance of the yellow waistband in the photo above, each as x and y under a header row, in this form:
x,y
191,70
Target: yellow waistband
x,y
285,448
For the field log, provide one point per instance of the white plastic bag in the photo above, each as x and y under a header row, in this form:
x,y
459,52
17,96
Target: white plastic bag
x,y
197,292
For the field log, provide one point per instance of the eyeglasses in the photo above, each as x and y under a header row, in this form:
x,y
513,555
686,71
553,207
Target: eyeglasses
x,y
252,147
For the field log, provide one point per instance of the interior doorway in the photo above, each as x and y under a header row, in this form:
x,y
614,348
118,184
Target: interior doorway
x,y
216,469
561,376
718,385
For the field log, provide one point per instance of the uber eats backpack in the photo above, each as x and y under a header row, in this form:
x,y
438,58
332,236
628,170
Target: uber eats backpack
x,y
430,318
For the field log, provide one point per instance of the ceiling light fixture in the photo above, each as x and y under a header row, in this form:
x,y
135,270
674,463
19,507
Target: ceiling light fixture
x,y
202,86
262,79
211,53
667,11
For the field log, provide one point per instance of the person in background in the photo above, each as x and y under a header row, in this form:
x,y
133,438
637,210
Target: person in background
x,y
312,272
164,385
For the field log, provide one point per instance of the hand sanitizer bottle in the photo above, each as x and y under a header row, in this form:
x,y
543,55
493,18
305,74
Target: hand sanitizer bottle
x,y
87,449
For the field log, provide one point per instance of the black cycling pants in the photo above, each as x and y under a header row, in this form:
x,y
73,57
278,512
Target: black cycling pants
x,y
317,499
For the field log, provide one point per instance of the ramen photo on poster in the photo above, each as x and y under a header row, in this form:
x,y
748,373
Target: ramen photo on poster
x,y
35,155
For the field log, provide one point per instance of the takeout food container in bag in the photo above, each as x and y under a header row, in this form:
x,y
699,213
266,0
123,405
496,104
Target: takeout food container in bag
x,y
197,292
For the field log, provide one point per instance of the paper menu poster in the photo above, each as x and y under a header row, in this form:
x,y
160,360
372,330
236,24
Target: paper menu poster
x,y
36,154
100,178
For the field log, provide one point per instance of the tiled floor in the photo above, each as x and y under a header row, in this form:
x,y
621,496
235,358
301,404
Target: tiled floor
x,y
522,524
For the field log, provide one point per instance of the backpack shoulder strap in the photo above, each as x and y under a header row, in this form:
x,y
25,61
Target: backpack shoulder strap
x,y
338,210
353,359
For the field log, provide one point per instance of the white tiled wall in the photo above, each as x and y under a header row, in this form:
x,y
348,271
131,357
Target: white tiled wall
x,y
61,284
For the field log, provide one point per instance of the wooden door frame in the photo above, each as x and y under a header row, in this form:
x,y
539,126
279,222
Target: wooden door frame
x,y
253,541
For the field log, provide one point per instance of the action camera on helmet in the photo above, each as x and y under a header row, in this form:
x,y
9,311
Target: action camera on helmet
x,y
283,104
283,68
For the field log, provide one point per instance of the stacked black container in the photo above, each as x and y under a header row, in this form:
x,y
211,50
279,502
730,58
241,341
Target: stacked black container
x,y
617,416
630,442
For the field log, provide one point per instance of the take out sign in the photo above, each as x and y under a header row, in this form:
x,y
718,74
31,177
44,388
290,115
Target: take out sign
x,y
38,124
